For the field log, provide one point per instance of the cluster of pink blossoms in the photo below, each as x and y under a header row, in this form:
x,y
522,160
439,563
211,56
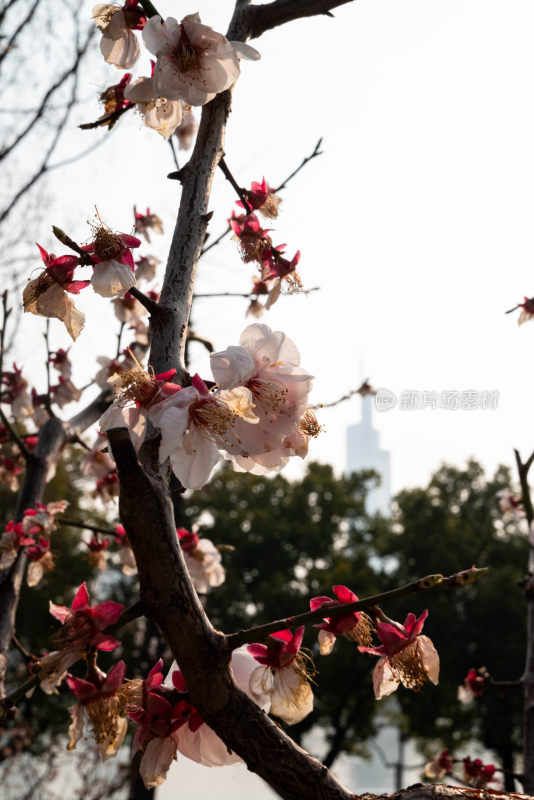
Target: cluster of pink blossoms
x,y
193,64
82,630
111,258
474,685
256,415
32,536
256,246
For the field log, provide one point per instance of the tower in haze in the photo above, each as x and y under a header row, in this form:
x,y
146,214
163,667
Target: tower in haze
x,y
363,452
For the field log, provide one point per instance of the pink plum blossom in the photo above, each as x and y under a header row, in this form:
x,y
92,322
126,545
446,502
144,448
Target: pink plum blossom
x,y
83,627
195,423
186,130
113,271
196,740
355,625
159,113
406,656
194,63
476,773
145,268
46,296
282,675
144,223
439,766
138,392
267,363
474,685
40,560
203,561
15,392
61,362
261,198
98,704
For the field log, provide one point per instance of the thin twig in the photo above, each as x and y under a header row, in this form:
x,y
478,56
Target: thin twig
x,y
105,120
85,526
151,306
316,152
119,337
240,192
48,398
12,432
175,157
335,609
248,295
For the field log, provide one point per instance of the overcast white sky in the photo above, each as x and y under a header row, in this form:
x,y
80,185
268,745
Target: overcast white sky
x,y
416,222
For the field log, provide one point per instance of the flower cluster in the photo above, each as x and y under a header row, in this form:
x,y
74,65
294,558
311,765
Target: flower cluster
x,y
193,64
168,723
282,675
203,561
511,504
439,766
257,413
476,773
355,625
407,657
21,536
475,682
99,705
83,628
256,246
111,258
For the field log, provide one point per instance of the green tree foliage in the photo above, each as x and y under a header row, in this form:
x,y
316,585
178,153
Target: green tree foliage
x,y
451,524
293,540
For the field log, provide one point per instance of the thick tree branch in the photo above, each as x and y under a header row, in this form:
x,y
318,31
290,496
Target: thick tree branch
x,y
264,17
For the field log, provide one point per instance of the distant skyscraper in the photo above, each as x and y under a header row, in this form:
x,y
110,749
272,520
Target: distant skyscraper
x,y
363,452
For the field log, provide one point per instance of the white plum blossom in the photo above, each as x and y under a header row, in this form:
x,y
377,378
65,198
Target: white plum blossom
x,y
268,364
159,113
282,676
119,44
203,561
195,423
197,741
194,62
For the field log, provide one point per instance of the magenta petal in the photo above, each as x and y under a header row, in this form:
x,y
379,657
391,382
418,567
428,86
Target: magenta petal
x,y
374,651
317,602
81,598
178,681
115,677
285,635
130,241
417,626
199,385
103,642
297,638
44,255
68,262
75,287
157,705
80,688
59,612
155,676
393,638
139,739
106,613
259,651
344,595
195,721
